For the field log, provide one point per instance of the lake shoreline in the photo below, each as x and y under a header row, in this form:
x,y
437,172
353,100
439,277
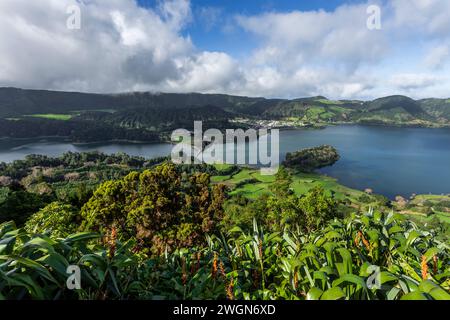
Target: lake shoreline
x,y
319,126
390,160
71,141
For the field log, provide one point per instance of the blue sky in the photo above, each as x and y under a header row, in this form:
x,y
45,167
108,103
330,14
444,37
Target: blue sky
x,y
258,6
216,32
347,49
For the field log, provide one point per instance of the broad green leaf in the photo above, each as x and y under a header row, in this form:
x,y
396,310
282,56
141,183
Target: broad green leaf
x,y
7,244
415,295
387,277
55,261
346,260
434,290
393,293
24,280
334,293
413,235
350,278
33,265
431,252
94,259
82,236
395,229
314,294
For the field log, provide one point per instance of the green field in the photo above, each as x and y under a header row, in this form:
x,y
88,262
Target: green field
x,y
340,109
251,184
332,102
314,113
420,204
52,116
325,113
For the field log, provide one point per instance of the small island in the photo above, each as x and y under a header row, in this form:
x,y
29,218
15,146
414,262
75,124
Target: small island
x,y
308,160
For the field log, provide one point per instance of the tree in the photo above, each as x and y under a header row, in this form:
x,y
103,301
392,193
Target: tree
x,y
18,205
317,207
160,207
281,186
307,212
284,212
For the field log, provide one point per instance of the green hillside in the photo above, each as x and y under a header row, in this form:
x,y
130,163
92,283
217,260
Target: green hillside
x,y
437,108
156,114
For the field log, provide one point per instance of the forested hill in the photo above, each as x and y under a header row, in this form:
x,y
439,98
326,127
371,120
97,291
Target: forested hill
x,y
17,102
157,113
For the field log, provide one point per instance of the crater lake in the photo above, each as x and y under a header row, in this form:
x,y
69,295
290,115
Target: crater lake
x,y
389,160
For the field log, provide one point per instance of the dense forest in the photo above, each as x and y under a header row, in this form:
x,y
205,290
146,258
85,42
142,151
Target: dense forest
x,y
149,229
144,116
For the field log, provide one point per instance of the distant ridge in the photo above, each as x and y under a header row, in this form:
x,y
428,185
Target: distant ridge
x,y
16,102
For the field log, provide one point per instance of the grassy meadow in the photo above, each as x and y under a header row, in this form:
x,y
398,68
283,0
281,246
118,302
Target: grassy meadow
x,y
53,116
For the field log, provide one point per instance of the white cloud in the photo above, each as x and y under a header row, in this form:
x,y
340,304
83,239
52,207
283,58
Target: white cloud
x,y
119,47
437,56
340,37
205,72
314,52
335,54
430,17
177,13
122,47
412,81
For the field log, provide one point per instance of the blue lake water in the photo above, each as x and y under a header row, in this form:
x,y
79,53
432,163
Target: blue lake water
x,y
391,161
11,150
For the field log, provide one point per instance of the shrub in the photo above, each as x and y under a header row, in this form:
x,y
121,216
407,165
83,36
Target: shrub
x,y
364,198
18,205
307,212
56,219
160,207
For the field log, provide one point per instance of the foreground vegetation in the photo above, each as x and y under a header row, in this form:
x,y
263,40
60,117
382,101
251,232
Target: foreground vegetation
x,y
147,229
337,261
